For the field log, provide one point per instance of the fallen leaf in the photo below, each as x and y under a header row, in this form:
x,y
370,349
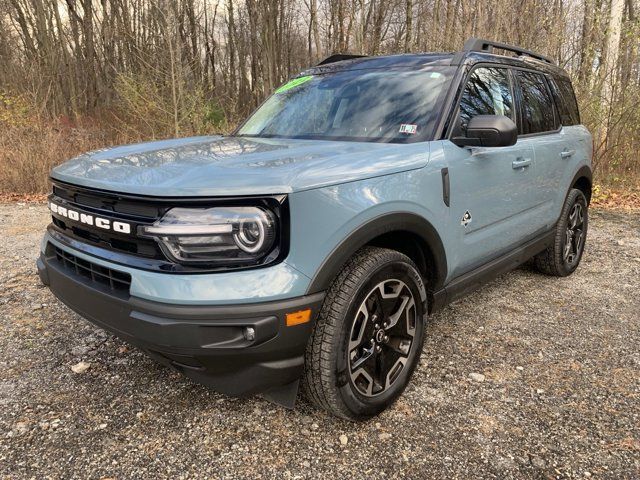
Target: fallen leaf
x,y
80,367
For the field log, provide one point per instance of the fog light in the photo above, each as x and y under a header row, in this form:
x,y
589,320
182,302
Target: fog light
x,y
249,334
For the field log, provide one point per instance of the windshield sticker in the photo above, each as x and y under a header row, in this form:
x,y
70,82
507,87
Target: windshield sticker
x,y
408,128
294,83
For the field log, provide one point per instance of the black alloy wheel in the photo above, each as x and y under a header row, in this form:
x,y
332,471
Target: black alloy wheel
x,y
574,236
563,256
381,337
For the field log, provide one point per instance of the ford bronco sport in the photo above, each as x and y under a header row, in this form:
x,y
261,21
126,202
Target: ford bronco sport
x,y
310,246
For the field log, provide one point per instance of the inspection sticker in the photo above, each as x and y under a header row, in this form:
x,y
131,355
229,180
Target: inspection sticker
x,y
408,128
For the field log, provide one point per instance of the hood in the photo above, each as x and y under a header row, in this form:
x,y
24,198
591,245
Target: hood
x,y
227,166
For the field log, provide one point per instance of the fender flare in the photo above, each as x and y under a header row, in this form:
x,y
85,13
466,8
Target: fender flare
x,y
584,171
386,223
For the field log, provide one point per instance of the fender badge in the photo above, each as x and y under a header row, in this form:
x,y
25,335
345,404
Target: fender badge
x,y
466,219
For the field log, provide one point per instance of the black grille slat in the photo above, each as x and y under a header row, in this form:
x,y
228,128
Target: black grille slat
x,y
114,279
108,203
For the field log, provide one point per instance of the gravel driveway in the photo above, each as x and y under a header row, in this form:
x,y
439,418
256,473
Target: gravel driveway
x,y
530,377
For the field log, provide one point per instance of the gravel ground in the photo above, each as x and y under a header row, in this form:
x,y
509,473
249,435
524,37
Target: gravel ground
x,y
530,377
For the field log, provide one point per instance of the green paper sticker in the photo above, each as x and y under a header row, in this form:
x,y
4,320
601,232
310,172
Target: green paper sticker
x,y
294,83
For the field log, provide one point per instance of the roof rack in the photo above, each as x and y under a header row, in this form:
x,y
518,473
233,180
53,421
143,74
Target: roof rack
x,y
338,57
487,46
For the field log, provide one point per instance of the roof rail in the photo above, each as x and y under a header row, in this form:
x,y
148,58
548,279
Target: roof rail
x,y
338,57
481,45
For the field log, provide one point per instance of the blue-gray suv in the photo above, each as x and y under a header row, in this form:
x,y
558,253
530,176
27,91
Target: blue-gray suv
x,y
309,247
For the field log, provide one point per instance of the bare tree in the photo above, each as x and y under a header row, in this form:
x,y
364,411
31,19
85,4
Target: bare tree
x,y
166,67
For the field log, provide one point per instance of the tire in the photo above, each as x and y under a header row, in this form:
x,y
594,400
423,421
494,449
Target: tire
x,y
563,256
368,336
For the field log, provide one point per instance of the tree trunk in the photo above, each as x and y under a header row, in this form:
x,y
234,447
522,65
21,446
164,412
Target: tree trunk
x,y
408,39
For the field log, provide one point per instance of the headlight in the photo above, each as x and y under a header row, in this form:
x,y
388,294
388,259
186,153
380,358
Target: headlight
x,y
218,235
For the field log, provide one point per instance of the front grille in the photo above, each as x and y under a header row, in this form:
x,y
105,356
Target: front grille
x,y
136,245
81,233
111,206
113,279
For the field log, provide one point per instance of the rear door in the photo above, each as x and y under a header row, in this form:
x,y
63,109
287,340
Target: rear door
x,y
491,187
575,141
539,127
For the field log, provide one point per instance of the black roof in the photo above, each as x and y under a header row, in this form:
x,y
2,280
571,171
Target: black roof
x,y
401,61
475,51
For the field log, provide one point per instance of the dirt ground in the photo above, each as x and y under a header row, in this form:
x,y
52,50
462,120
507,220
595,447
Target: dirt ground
x,y
558,395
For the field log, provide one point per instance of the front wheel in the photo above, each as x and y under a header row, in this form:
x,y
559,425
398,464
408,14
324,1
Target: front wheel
x,y
563,256
368,337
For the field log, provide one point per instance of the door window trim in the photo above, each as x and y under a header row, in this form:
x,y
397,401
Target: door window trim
x,y
519,102
515,93
456,103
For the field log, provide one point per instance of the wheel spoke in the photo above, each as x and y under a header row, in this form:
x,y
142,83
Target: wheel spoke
x,y
575,218
579,219
359,327
358,376
578,234
387,294
567,245
411,317
394,372
571,218
378,377
365,355
390,288
577,242
393,319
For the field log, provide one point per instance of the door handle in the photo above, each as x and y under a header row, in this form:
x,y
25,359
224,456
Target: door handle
x,y
520,162
567,153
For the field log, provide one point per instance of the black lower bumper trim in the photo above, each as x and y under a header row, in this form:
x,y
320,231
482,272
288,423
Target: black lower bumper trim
x,y
206,343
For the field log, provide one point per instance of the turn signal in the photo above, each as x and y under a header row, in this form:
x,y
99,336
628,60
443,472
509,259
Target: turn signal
x,y
296,318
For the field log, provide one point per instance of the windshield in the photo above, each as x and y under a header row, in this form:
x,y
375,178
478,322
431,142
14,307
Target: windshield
x,y
356,105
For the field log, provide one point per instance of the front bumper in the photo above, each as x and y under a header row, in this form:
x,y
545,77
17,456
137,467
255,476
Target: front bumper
x,y
205,343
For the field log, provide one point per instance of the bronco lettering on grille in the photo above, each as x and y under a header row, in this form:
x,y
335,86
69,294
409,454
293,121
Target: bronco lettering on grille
x,y
88,219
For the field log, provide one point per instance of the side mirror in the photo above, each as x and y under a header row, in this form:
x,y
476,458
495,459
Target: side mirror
x,y
489,131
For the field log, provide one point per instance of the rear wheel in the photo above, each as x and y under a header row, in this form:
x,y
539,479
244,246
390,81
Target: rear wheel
x,y
368,336
563,257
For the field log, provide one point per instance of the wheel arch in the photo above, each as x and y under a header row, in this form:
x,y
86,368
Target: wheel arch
x,y
406,232
583,181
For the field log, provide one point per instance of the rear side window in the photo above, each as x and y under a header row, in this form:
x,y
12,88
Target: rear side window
x,y
537,106
487,92
566,102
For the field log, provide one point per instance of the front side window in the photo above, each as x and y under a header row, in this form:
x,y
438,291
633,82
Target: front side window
x,y
537,107
354,105
487,92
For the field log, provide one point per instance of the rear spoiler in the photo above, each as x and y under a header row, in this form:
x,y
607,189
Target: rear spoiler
x,y
339,57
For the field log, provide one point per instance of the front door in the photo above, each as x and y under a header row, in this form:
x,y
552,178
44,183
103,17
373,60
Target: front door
x,y
492,192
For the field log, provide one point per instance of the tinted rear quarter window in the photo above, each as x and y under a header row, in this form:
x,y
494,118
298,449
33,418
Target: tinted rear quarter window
x,y
566,101
537,106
